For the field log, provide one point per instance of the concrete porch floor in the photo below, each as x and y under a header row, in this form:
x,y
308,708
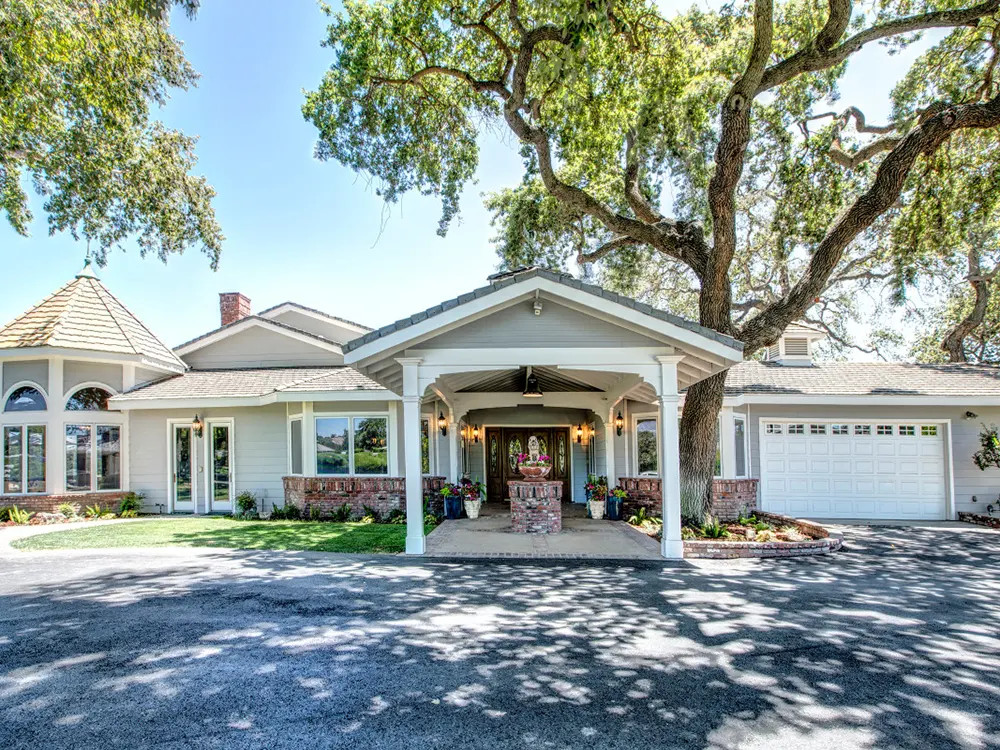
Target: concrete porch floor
x,y
583,538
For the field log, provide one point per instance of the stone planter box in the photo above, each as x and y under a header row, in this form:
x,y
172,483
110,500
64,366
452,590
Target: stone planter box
x,y
535,507
710,548
980,519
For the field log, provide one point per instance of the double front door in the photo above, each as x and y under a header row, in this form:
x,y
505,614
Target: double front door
x,y
503,444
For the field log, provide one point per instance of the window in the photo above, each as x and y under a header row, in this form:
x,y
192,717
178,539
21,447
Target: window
x,y
740,448
23,459
862,429
25,398
883,429
425,446
796,429
645,440
89,399
222,464
928,430
352,445
907,430
93,457
295,445
817,429
772,429
840,429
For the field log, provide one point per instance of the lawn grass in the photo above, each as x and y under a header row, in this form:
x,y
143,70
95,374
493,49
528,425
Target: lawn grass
x,y
318,536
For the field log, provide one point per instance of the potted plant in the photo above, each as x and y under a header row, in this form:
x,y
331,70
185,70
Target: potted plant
x,y
597,501
536,468
452,495
473,494
616,499
591,489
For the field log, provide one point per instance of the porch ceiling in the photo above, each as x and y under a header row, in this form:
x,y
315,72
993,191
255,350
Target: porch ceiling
x,y
550,380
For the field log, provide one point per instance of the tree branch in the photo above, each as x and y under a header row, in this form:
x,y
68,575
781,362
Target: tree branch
x,y
954,341
616,244
884,191
638,203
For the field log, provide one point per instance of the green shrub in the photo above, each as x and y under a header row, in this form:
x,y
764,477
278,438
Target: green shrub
x,y
18,516
762,526
343,513
277,513
292,512
131,503
714,530
94,511
246,503
639,517
396,515
4,514
70,510
370,515
313,512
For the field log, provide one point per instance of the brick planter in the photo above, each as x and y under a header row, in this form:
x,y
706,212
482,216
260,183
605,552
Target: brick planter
x,y
535,507
384,494
729,496
728,550
980,519
49,503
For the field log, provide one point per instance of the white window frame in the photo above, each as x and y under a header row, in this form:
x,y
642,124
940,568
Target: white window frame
x,y
29,384
302,458
636,418
351,416
24,456
433,433
210,459
88,384
746,445
94,424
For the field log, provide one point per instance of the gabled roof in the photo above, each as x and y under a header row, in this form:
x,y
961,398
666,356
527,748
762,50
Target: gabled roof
x,y
500,281
310,311
864,379
84,315
249,321
247,386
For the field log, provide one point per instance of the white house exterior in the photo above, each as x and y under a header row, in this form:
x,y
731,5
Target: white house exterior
x,y
292,403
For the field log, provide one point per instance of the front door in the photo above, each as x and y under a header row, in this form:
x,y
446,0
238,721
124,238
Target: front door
x,y
182,488
503,444
220,466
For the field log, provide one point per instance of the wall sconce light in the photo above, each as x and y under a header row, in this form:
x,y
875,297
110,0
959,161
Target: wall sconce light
x,y
619,423
579,433
475,434
198,426
442,423
590,429
970,415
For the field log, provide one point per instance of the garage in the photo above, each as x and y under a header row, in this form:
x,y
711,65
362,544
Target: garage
x,y
853,469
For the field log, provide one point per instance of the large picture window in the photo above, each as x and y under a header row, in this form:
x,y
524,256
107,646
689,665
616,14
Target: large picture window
x,y
352,445
93,457
647,454
23,451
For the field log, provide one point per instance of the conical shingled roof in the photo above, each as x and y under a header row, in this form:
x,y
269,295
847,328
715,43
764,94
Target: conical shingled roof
x,y
85,315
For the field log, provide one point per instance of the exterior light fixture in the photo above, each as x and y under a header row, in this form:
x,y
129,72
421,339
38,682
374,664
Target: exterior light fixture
x,y
475,434
970,415
590,429
619,423
579,433
531,389
198,426
442,423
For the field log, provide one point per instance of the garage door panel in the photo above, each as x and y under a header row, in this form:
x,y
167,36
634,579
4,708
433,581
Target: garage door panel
x,y
866,470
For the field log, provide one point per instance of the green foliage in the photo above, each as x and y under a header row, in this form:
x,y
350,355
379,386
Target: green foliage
x,y
70,510
277,514
246,502
18,516
313,512
712,529
130,503
640,517
343,513
94,511
396,515
4,513
79,81
988,455
370,515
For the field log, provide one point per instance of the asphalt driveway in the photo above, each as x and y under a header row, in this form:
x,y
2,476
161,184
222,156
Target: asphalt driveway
x,y
894,642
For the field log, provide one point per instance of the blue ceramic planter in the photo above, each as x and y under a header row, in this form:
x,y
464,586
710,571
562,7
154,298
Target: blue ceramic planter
x,y
613,509
452,508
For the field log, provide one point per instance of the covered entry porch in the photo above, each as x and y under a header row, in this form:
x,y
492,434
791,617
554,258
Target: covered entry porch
x,y
539,351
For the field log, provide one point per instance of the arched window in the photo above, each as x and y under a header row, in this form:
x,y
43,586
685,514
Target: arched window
x,y
90,398
25,398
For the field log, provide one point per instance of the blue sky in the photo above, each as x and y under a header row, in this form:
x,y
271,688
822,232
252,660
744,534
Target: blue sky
x,y
297,228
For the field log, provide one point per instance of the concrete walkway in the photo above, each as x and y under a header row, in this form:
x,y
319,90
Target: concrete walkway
x,y
582,538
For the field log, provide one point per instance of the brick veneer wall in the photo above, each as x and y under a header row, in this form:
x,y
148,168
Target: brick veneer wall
x,y
384,494
49,503
535,507
729,496
980,519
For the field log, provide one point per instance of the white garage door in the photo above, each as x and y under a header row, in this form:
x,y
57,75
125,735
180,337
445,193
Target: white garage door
x,y
827,469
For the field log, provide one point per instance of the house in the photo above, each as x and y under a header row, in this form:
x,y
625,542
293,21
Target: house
x,y
296,405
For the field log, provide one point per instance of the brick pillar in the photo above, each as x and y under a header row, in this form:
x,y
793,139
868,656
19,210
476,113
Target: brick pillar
x,y
233,306
535,507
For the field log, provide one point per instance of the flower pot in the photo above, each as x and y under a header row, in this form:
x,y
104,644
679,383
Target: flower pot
x,y
452,507
534,473
472,508
614,509
596,509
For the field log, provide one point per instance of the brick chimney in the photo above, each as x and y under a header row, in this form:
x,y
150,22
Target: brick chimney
x,y
233,306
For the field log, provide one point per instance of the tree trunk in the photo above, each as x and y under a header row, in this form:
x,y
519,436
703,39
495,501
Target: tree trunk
x,y
954,340
699,425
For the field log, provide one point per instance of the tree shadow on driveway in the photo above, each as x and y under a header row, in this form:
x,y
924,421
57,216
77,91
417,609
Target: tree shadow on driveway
x,y
891,643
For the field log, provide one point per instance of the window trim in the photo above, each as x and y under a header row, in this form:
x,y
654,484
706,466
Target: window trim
x,y
94,424
206,438
351,416
24,457
432,437
88,384
22,384
300,418
746,445
634,462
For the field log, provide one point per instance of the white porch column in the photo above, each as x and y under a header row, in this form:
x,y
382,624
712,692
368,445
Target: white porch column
x,y
669,459
411,453
609,447
727,442
55,437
